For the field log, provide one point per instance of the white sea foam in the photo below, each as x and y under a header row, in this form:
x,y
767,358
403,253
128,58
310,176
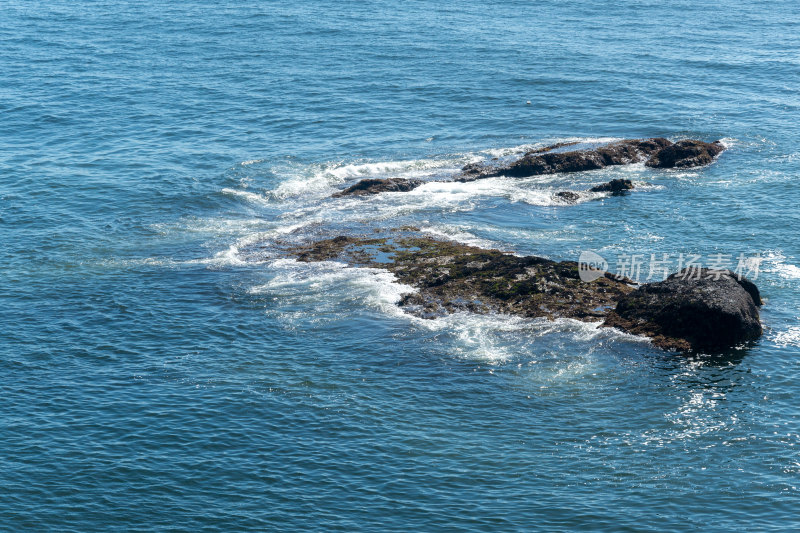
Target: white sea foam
x,y
319,179
324,178
245,195
323,284
728,142
388,168
224,258
498,338
324,288
788,337
460,235
522,148
438,194
775,261
212,226
311,183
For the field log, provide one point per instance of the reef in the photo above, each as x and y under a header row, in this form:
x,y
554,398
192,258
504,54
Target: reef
x,y
656,152
713,310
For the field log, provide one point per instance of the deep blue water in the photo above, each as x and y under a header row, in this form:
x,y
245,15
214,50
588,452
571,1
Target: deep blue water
x,y
161,370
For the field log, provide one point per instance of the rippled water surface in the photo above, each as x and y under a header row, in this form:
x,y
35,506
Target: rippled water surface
x,y
161,369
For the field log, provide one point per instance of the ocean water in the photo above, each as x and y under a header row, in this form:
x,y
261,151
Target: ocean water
x,y
163,370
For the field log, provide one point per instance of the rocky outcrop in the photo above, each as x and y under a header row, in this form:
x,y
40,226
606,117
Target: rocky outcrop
x,y
453,277
685,154
618,153
696,309
535,164
656,152
691,310
615,187
377,185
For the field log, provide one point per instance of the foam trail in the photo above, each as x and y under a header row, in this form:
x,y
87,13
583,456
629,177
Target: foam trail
x,y
788,337
775,261
325,288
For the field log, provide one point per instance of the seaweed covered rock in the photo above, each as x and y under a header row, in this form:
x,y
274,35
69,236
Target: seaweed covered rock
x,y
696,309
616,186
450,277
685,154
379,185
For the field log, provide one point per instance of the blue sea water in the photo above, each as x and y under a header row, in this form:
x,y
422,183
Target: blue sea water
x,y
161,370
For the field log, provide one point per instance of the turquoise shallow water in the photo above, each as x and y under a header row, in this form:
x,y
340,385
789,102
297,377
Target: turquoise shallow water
x,y
161,370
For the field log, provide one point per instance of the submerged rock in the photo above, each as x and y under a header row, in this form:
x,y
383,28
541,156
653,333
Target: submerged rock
x,y
617,186
551,147
379,185
568,196
707,310
696,309
685,154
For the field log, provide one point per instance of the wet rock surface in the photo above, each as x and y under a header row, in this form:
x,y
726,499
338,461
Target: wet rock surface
x,y
656,152
702,310
616,187
379,185
697,309
686,154
619,153
453,277
568,196
535,164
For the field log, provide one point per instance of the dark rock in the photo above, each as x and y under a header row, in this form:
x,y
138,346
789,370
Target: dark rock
x,y
476,171
551,147
697,309
377,185
618,153
617,186
691,310
568,196
655,152
473,168
453,277
685,154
